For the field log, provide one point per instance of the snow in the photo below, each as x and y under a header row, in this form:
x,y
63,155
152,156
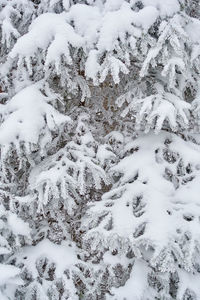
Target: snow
x,y
91,28
68,169
92,67
111,5
25,114
139,180
104,153
66,4
193,30
165,8
117,23
113,260
8,273
43,31
190,281
157,109
64,256
86,20
4,250
18,226
7,31
129,198
136,286
104,27
115,136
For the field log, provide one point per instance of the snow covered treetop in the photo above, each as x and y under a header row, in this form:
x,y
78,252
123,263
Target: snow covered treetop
x,y
106,31
75,44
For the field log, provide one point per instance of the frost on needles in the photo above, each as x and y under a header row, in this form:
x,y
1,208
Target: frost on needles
x,y
99,149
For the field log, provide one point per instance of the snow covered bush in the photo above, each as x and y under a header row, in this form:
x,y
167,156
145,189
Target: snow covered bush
x,y
99,149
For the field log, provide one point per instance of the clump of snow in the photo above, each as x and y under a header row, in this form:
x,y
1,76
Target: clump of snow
x,y
188,281
64,256
8,273
113,4
165,8
193,30
17,225
27,115
117,24
43,31
86,21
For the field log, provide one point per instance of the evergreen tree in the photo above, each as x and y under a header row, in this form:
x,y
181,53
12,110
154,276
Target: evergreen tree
x,y
99,146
